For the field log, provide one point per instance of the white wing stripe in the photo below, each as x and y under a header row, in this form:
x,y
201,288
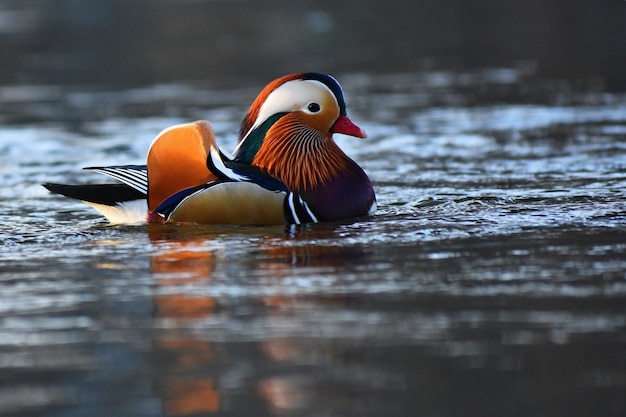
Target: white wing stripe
x,y
308,210
134,178
129,180
292,208
217,162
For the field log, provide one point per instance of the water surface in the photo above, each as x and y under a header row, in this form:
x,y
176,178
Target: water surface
x,y
491,281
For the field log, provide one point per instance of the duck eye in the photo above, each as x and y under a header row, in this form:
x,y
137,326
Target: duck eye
x,y
314,107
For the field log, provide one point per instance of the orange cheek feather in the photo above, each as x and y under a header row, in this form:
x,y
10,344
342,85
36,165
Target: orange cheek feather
x,y
177,160
299,154
324,120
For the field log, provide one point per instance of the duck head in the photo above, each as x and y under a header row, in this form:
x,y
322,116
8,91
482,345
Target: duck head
x,y
288,131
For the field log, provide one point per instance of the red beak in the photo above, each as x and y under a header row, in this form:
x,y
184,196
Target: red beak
x,y
344,125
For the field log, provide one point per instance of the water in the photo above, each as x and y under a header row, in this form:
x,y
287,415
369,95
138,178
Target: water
x,y
491,281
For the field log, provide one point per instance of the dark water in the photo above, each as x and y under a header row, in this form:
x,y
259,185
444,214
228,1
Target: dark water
x,y
491,282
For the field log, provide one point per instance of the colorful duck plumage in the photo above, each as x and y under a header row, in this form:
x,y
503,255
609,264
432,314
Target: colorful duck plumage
x,y
286,167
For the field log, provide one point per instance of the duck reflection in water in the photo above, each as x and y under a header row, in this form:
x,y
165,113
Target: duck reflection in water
x,y
183,392
204,368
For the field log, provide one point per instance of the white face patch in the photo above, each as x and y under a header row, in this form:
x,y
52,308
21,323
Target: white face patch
x,y
292,96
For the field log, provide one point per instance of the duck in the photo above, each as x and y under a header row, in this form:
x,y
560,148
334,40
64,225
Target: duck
x,y
285,169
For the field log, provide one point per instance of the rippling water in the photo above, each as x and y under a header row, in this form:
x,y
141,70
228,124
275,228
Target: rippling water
x,y
492,280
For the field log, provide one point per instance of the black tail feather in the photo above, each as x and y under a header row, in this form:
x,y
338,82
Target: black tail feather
x,y
107,194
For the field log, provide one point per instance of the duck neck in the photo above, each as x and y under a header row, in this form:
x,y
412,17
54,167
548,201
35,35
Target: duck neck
x,y
300,157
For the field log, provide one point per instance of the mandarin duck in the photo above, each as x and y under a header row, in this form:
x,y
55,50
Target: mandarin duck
x,y
286,168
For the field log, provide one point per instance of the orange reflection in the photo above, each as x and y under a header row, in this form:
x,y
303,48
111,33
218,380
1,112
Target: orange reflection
x,y
191,353
185,259
183,306
191,396
177,264
282,393
184,262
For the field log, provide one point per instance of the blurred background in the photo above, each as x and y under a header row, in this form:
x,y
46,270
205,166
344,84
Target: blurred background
x,y
130,42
